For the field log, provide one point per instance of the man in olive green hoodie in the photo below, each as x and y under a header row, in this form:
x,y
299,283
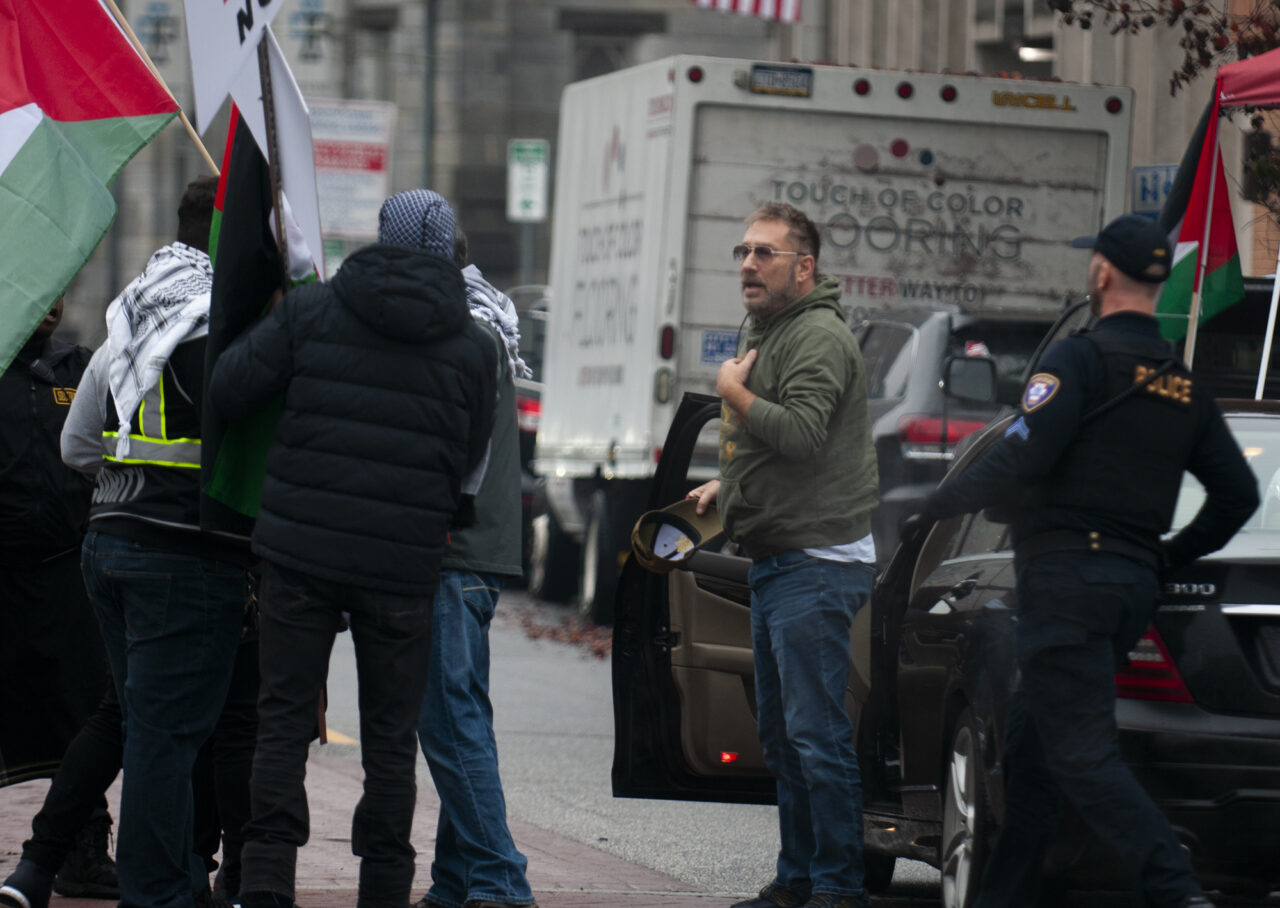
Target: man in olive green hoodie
x,y
797,484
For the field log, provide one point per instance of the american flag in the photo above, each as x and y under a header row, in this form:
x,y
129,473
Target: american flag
x,y
782,10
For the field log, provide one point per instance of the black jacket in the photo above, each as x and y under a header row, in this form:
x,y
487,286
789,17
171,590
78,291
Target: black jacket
x,y
1116,474
389,394
44,505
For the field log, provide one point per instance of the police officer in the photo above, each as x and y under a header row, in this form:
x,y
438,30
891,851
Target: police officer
x,y
1092,469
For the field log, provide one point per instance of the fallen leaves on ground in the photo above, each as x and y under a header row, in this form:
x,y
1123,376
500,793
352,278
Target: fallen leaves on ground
x,y
547,622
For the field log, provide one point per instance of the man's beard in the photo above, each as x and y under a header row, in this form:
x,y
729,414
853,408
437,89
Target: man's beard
x,y
774,300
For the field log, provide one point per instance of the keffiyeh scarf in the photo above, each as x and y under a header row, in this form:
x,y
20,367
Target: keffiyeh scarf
x,y
495,307
165,305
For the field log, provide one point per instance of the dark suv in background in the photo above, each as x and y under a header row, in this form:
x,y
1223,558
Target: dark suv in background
x,y
914,425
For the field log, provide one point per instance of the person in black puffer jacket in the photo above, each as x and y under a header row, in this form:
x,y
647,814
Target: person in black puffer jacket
x,y
388,392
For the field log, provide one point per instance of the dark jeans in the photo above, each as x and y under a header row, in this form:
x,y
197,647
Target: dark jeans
x,y
299,618
1078,612
221,777
801,611
170,622
88,768
475,855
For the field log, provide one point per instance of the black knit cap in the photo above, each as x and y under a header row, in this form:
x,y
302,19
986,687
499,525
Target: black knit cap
x,y
1135,245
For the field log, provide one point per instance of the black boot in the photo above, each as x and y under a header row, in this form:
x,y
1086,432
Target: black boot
x,y
88,871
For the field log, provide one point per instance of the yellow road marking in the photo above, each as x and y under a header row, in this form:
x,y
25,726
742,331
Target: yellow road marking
x,y
337,737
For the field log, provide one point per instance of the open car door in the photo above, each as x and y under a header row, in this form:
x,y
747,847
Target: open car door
x,y
683,673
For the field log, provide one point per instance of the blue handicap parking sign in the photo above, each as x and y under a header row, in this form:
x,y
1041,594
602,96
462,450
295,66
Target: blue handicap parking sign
x,y
1149,187
718,346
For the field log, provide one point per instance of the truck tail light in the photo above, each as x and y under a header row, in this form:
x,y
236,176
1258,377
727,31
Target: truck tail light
x,y
905,90
922,436
695,74
667,341
948,93
1150,673
862,87
528,413
1114,105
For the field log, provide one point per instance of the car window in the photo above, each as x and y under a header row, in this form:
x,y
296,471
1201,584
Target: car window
x,y
533,336
887,352
983,536
1010,344
1259,439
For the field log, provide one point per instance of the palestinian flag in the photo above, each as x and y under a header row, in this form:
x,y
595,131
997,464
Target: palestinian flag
x,y
246,273
76,103
1183,217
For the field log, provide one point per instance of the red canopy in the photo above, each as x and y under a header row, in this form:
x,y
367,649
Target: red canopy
x,y
1254,82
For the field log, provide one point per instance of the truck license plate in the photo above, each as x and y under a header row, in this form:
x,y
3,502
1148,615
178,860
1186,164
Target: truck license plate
x,y
773,79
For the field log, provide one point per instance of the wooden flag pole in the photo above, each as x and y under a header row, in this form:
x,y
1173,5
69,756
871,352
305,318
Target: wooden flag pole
x,y
273,155
146,58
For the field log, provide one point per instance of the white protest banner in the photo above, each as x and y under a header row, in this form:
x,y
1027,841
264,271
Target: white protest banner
x,y
297,165
223,37
353,164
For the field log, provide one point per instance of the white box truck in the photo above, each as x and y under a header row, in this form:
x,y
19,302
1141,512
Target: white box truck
x,y
926,187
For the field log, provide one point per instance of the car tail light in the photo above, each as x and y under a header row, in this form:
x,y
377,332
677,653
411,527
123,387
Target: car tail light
x,y
727,756
922,436
528,413
1151,674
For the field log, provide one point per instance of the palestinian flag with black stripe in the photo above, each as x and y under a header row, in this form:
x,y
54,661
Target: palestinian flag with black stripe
x,y
246,274
1183,217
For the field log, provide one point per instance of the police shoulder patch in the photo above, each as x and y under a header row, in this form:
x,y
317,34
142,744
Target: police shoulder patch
x,y
1039,391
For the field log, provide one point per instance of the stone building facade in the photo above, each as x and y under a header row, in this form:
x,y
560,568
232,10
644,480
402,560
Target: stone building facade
x,y
494,70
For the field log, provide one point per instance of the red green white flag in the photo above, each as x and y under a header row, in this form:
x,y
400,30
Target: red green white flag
x,y
76,103
1220,280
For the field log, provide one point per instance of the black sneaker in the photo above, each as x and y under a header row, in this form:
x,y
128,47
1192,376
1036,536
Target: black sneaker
x,y
835,900
29,886
774,896
88,871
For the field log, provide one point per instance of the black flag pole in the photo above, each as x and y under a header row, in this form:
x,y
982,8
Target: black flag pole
x,y
273,155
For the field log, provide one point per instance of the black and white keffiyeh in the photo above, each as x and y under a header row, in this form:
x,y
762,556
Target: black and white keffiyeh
x,y
165,305
495,307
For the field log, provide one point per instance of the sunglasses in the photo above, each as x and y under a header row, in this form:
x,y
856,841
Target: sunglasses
x,y
763,254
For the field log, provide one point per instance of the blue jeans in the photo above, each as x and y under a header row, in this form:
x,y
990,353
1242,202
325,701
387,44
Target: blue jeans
x,y
171,622
801,611
1077,613
475,856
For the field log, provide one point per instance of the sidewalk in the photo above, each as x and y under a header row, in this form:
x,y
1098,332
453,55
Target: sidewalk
x,y
563,873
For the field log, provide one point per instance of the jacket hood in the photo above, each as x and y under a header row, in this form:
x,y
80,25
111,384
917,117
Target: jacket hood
x,y
403,293
824,295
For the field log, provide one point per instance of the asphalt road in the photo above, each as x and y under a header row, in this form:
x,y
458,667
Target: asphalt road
x,y
554,723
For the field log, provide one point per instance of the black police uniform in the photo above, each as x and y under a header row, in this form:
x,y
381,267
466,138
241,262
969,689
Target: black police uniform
x,y
51,657
1091,471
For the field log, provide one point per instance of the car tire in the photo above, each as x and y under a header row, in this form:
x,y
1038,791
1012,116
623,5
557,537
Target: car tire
x,y
966,816
877,871
553,560
599,563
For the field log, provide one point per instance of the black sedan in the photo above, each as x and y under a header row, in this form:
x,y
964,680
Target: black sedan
x,y
933,671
